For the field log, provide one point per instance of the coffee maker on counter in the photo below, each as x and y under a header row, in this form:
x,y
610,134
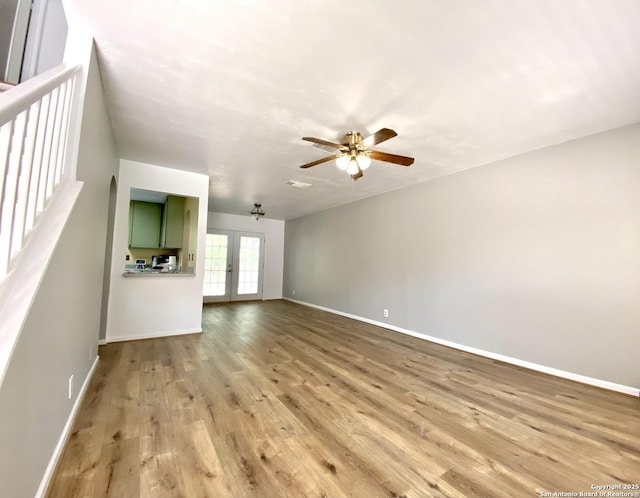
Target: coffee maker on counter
x,y
164,263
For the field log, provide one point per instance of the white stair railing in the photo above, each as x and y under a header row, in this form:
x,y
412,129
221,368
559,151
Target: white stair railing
x,y
34,125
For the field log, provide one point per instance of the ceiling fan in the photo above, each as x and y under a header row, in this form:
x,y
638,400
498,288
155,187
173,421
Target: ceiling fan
x,y
353,154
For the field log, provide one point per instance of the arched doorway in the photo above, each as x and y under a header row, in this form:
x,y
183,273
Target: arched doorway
x,y
108,253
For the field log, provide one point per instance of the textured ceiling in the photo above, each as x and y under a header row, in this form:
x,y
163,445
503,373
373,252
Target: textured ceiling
x,y
229,88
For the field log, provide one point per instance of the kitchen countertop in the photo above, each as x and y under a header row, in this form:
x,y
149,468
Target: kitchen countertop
x,y
143,274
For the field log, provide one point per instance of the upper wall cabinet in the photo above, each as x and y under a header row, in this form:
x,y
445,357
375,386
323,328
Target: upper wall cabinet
x,y
172,223
145,220
156,220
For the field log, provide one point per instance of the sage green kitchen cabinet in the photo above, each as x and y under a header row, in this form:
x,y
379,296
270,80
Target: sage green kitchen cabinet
x,y
145,220
172,223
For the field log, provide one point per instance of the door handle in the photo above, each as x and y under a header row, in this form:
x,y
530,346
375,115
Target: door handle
x,y
230,268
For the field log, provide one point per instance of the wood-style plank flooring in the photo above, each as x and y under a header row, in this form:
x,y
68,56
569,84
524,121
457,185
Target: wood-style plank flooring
x,y
275,399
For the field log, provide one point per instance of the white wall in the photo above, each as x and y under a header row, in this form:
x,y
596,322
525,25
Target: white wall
x,y
142,307
46,38
536,257
273,231
8,10
60,336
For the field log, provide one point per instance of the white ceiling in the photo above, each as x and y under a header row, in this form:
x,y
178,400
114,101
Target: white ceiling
x,y
228,88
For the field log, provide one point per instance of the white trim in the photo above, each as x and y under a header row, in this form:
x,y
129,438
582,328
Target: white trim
x,y
153,335
102,342
18,41
64,437
604,384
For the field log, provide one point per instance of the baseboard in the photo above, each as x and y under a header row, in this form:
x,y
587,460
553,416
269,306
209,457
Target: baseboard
x,y
62,441
604,384
102,342
153,335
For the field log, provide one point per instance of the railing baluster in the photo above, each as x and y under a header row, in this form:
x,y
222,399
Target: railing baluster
x,y
36,157
53,153
42,182
26,167
10,192
64,90
63,129
67,115
6,133
48,146
34,126
5,209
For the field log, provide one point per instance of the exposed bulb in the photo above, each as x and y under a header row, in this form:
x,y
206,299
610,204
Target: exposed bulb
x,y
342,162
352,169
364,161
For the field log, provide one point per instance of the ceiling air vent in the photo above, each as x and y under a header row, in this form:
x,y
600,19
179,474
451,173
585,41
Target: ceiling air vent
x,y
296,184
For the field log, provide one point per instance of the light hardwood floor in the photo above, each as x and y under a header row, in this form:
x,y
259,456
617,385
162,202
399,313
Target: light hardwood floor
x,y
275,399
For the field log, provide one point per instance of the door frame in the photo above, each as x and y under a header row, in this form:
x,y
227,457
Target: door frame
x,y
227,293
235,275
233,252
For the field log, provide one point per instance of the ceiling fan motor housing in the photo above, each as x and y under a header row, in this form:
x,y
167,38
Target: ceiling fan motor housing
x,y
352,139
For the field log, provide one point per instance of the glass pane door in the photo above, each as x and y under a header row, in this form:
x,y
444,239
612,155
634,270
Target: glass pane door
x,y
233,266
248,267
217,265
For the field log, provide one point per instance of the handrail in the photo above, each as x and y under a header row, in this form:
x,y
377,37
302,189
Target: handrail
x,y
25,94
34,125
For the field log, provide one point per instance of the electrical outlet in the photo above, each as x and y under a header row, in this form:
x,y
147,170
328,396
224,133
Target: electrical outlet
x,y
71,386
385,312
293,292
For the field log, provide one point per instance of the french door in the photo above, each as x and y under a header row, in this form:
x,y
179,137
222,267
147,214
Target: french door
x,y
233,266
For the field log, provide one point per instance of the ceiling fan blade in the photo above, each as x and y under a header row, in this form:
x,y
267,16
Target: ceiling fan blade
x,y
357,175
378,137
320,161
391,158
322,142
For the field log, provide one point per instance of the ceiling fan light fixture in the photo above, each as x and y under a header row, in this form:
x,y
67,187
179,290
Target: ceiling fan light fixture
x,y
353,155
342,162
352,169
364,161
257,212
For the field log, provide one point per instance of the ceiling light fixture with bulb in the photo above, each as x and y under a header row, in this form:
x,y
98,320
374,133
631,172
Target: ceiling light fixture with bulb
x,y
353,161
354,155
257,212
